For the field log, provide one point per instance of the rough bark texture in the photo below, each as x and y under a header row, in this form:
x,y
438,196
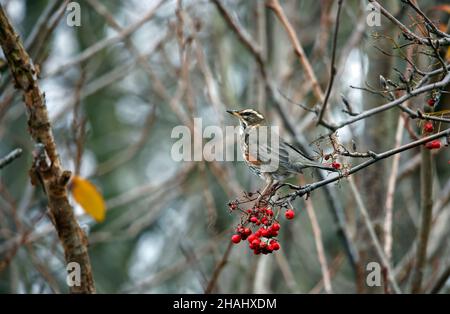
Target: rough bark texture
x,y
51,175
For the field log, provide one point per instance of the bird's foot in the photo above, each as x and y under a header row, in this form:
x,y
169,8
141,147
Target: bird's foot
x,y
306,190
263,199
303,190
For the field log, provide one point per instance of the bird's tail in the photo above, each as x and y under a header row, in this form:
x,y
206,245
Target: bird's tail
x,y
313,164
325,167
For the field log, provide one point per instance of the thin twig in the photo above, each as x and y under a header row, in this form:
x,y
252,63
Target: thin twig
x,y
373,236
275,6
440,283
10,157
428,22
444,82
406,31
319,246
332,66
215,276
426,194
390,192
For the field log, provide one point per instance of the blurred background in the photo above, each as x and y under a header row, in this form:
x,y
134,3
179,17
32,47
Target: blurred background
x,y
118,84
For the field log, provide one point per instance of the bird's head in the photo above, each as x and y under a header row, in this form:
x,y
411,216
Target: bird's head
x,y
247,117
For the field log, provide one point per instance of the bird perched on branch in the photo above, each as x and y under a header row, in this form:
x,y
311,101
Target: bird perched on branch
x,y
267,155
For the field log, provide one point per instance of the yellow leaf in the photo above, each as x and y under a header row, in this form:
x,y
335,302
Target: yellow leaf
x,y
87,195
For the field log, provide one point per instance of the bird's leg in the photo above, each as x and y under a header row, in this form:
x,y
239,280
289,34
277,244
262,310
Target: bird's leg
x,y
291,186
269,182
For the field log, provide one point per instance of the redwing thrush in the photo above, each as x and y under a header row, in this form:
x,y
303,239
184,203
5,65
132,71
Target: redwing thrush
x,y
258,154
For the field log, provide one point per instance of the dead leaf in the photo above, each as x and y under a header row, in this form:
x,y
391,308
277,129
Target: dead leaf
x,y
87,195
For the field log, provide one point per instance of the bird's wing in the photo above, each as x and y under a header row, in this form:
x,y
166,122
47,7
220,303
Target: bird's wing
x,y
265,152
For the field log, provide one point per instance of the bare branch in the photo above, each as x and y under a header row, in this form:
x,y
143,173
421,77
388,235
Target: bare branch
x,y
374,238
406,31
319,246
440,283
311,187
441,84
428,22
219,267
390,193
52,176
426,194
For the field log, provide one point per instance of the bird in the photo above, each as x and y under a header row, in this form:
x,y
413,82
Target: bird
x,y
260,156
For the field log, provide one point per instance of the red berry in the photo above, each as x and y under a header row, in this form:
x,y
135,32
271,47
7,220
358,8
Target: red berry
x,y
265,233
254,219
275,246
263,245
251,238
431,102
336,165
269,212
236,238
437,144
289,214
270,248
256,242
428,127
276,227
433,144
247,231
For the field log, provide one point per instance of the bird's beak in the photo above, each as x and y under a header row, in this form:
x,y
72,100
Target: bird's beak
x,y
233,112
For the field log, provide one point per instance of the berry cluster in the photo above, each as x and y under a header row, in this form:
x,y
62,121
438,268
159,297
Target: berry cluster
x,y
265,225
336,165
428,127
